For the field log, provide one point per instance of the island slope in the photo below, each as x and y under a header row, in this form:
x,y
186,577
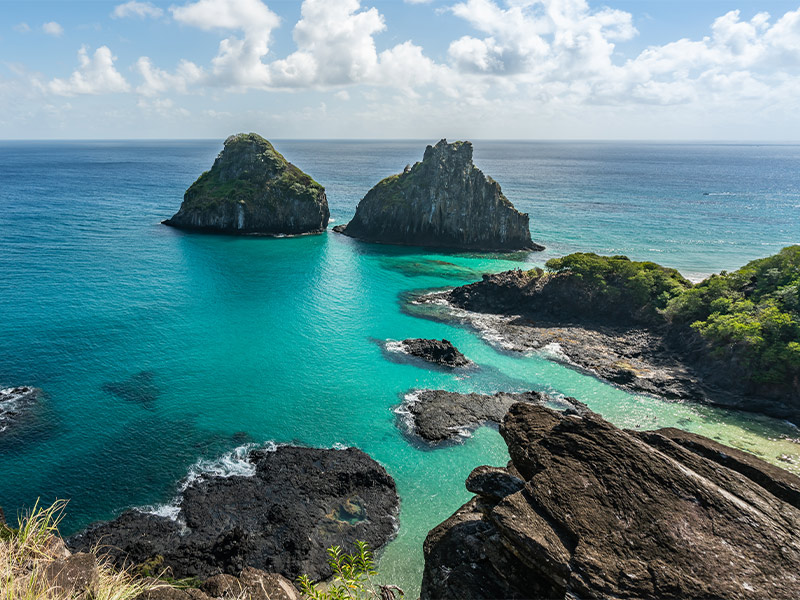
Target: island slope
x,y
443,201
253,189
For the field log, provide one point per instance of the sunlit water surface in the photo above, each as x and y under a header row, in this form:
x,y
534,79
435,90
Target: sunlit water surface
x,y
158,348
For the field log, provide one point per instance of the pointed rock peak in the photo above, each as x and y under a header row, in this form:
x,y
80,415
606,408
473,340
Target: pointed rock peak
x,y
461,151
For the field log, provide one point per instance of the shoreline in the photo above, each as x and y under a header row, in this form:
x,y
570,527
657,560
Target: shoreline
x,y
632,358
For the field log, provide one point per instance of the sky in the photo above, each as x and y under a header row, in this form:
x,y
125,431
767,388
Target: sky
x,y
726,70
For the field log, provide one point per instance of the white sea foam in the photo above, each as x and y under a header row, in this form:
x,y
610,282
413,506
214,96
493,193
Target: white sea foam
x,y
233,463
395,346
404,414
553,351
338,446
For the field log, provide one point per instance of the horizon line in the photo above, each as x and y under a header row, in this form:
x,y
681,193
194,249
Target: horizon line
x,y
788,142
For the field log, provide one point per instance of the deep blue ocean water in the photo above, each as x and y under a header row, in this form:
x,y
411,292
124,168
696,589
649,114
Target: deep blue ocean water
x,y
159,348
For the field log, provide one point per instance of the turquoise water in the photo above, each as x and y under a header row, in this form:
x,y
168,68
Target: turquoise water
x,y
158,348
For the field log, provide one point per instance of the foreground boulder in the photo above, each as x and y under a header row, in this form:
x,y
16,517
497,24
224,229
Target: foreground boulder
x,y
299,502
439,352
14,402
443,201
252,189
607,513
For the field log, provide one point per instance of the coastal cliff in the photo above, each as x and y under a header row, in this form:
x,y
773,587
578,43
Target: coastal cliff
x,y
253,189
659,514
443,201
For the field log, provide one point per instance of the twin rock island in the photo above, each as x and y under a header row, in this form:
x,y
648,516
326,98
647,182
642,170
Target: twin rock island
x,y
443,201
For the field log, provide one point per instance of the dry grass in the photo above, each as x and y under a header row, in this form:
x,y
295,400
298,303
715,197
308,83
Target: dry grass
x,y
26,551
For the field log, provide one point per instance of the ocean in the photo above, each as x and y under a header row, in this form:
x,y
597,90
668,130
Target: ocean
x,y
161,351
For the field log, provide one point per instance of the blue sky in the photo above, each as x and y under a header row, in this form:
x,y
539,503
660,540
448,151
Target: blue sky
x,y
530,69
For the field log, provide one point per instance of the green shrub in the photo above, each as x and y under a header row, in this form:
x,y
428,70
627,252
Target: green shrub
x,y
352,578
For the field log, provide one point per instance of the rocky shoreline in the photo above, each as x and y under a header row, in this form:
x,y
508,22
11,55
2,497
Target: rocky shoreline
x,y
652,515
438,416
282,519
634,357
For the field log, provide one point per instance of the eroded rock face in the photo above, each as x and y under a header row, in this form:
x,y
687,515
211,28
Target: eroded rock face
x,y
443,201
438,415
253,189
300,502
607,513
439,352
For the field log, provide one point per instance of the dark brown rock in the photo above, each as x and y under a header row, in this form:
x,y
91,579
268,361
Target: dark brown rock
x,y
160,590
438,415
493,483
439,352
443,201
77,574
299,502
607,513
260,585
222,586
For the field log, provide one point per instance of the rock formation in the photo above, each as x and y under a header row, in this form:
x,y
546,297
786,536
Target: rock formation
x,y
443,201
14,401
252,189
437,415
439,352
586,510
299,502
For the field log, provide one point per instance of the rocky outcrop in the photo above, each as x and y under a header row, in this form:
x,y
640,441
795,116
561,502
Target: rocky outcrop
x,y
439,352
299,502
253,189
565,319
607,513
437,415
14,402
443,201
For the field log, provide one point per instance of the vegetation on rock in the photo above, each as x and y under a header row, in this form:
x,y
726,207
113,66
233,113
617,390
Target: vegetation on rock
x,y
252,188
617,279
750,317
35,564
352,578
752,314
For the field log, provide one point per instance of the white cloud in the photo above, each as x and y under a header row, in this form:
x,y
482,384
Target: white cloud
x,y
22,27
53,28
96,75
342,95
136,9
238,62
334,46
157,81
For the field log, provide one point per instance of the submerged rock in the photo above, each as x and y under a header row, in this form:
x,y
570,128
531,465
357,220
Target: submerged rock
x,y
14,401
437,415
253,189
440,352
299,502
443,201
608,513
